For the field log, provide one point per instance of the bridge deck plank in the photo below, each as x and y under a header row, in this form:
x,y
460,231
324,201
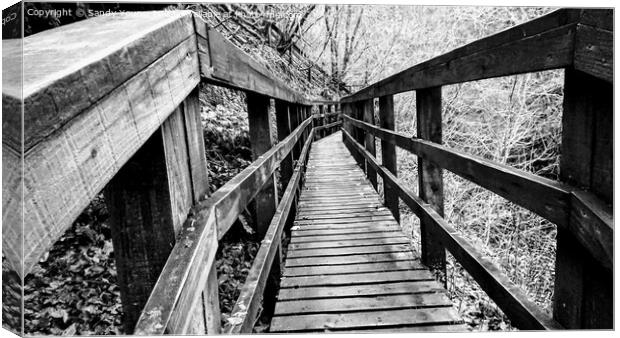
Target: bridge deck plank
x,y
349,265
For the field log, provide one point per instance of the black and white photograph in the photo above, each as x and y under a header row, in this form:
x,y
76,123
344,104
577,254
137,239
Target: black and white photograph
x,y
226,168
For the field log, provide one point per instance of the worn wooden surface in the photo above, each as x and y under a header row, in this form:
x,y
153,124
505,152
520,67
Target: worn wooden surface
x,y
142,218
82,156
71,67
352,269
523,313
246,309
594,43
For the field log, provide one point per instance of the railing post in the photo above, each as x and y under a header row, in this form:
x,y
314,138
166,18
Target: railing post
x,y
294,122
284,129
583,293
142,225
261,135
321,132
388,154
428,103
368,111
328,119
356,113
210,308
149,199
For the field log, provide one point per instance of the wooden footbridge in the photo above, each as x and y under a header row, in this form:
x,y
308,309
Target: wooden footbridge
x,y
120,114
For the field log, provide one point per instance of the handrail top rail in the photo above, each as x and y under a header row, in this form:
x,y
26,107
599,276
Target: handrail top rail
x,y
68,69
544,33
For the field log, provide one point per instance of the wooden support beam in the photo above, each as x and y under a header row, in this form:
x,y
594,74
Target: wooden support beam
x,y
261,132
142,224
388,154
196,147
583,287
149,200
284,129
321,120
368,112
430,179
294,119
206,314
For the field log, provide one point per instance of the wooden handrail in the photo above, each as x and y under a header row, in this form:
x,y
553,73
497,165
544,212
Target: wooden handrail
x,y
522,312
245,311
224,64
549,199
556,40
330,125
184,275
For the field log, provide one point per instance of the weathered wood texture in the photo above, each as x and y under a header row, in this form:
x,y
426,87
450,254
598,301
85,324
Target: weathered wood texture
x,y
333,280
62,80
12,196
520,187
181,282
149,199
109,115
584,289
246,309
430,176
90,105
196,147
523,313
594,43
388,153
224,64
142,224
544,43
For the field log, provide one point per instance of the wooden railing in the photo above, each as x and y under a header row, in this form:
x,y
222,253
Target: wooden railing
x,y
576,40
120,114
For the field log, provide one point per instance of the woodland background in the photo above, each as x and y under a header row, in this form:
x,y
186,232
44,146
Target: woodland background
x,y
513,120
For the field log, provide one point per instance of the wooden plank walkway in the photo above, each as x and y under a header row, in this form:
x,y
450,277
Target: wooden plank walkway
x,y
349,266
